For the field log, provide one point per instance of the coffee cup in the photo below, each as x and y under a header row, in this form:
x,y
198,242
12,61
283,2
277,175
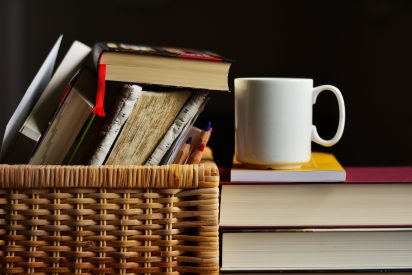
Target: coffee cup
x,y
273,121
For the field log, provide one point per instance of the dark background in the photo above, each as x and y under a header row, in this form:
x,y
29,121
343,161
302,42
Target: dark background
x,y
364,47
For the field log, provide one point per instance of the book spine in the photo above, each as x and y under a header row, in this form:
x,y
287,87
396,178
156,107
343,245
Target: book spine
x,y
123,108
184,117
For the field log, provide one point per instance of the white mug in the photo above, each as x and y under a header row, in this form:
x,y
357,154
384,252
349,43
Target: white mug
x,y
273,121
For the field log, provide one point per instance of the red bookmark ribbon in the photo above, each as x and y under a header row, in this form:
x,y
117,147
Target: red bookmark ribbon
x,y
101,86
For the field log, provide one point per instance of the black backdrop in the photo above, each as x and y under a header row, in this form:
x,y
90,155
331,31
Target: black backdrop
x,y
364,47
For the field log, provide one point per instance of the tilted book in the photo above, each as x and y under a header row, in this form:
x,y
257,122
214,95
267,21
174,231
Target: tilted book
x,y
28,101
99,133
74,111
151,117
37,121
186,117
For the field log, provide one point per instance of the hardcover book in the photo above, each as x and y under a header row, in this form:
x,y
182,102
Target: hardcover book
x,y
73,112
316,205
362,225
318,250
98,135
323,167
162,66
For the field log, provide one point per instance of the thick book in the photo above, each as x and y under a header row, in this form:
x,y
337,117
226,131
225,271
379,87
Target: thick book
x,y
323,167
99,133
74,110
151,117
358,203
28,101
318,250
167,66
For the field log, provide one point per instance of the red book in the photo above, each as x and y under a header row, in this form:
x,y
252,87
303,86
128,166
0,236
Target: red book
x,y
386,174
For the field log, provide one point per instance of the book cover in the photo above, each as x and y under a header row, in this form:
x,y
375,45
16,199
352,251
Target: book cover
x,y
96,129
175,52
37,121
379,174
68,121
29,99
164,66
323,167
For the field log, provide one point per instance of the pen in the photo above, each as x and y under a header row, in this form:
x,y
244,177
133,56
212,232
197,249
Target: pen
x,y
196,155
183,152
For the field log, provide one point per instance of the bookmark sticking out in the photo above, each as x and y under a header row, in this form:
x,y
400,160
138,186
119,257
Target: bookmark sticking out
x,y
101,86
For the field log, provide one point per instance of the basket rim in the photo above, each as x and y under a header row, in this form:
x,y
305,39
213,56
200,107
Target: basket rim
x,y
205,174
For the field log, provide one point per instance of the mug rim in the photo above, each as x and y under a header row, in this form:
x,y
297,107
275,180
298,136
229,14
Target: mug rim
x,y
273,79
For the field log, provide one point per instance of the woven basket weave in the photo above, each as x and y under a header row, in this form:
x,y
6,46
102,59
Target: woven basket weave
x,y
109,219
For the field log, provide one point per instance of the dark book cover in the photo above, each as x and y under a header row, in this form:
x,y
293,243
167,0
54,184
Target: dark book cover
x,y
168,52
174,52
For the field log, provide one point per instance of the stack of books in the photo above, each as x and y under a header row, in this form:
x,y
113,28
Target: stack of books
x,y
321,218
113,104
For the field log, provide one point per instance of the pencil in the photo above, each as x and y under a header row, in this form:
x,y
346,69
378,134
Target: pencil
x,y
196,155
183,152
205,134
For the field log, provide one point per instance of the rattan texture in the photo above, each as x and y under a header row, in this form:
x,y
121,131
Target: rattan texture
x,y
109,219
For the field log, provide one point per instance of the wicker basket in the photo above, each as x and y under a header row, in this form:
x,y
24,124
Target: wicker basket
x,y
109,219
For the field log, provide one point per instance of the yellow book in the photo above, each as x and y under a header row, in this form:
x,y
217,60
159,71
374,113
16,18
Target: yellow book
x,y
323,167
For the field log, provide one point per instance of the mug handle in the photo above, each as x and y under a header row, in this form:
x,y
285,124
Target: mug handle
x,y
315,136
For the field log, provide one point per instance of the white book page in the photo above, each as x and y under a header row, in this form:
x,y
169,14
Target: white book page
x,y
31,96
38,119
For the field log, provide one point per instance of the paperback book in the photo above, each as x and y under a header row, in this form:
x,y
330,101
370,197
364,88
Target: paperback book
x,y
323,167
